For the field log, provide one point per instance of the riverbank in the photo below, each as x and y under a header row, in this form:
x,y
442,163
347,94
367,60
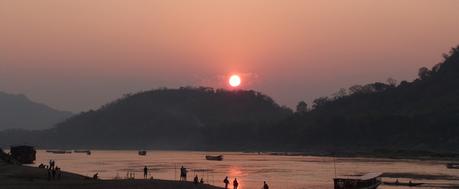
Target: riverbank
x,y
22,177
380,153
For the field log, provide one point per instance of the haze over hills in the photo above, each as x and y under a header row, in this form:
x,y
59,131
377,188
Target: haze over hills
x,y
418,115
19,112
163,118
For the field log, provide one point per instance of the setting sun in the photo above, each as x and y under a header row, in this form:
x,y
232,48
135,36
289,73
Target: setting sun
x,y
234,81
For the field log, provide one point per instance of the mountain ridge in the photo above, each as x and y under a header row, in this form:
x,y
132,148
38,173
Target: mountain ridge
x,y
17,111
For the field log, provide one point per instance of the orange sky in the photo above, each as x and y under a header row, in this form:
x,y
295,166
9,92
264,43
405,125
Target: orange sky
x,y
78,54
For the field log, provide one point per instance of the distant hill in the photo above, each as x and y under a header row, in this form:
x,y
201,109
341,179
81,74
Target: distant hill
x,y
418,115
379,118
165,118
19,112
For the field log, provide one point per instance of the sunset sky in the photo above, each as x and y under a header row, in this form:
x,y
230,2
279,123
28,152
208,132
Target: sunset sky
x,y
79,54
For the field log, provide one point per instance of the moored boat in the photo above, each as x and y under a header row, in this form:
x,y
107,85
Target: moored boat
x,y
59,151
452,165
367,181
23,154
410,184
87,152
214,158
142,152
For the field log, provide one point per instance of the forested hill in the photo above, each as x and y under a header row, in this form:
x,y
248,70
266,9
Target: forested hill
x,y
420,115
169,118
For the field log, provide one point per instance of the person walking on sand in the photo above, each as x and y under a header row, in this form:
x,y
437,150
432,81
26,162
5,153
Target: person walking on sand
x,y
145,172
265,186
226,181
235,183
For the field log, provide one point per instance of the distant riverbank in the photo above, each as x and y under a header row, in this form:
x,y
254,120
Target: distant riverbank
x,y
382,153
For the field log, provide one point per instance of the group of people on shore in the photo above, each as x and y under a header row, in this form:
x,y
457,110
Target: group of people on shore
x,y
183,177
236,183
196,180
54,172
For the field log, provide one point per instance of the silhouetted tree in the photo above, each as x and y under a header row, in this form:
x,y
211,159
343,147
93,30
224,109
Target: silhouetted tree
x,y
424,73
301,107
320,102
355,89
340,93
392,82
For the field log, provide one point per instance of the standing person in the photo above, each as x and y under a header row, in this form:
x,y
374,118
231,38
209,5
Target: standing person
x,y
183,173
54,173
265,186
235,183
49,174
196,179
226,181
202,180
145,172
58,172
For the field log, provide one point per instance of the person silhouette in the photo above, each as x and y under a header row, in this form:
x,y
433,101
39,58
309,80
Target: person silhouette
x,y
183,173
196,179
202,181
235,183
226,181
145,172
265,186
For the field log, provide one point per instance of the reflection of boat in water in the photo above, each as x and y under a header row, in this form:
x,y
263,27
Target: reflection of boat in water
x,y
87,152
402,183
214,158
59,151
452,165
142,152
367,181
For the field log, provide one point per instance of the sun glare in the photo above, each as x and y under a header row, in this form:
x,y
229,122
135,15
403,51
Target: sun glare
x,y
234,81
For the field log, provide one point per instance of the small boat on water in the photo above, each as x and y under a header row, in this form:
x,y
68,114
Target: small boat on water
x,y
214,158
87,152
452,165
142,152
367,181
410,184
59,151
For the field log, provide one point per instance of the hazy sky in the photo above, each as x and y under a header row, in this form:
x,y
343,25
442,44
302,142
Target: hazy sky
x,y
79,54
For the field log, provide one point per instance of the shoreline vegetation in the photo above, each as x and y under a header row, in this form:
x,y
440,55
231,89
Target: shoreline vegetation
x,y
16,176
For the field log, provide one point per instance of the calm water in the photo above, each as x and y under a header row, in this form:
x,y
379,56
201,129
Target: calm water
x,y
281,172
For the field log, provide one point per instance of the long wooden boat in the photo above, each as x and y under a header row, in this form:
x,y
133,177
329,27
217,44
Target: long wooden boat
x,y
24,154
410,184
59,151
452,165
214,158
367,181
87,152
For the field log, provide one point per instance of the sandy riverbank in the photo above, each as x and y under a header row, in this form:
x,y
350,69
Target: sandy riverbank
x,y
23,177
